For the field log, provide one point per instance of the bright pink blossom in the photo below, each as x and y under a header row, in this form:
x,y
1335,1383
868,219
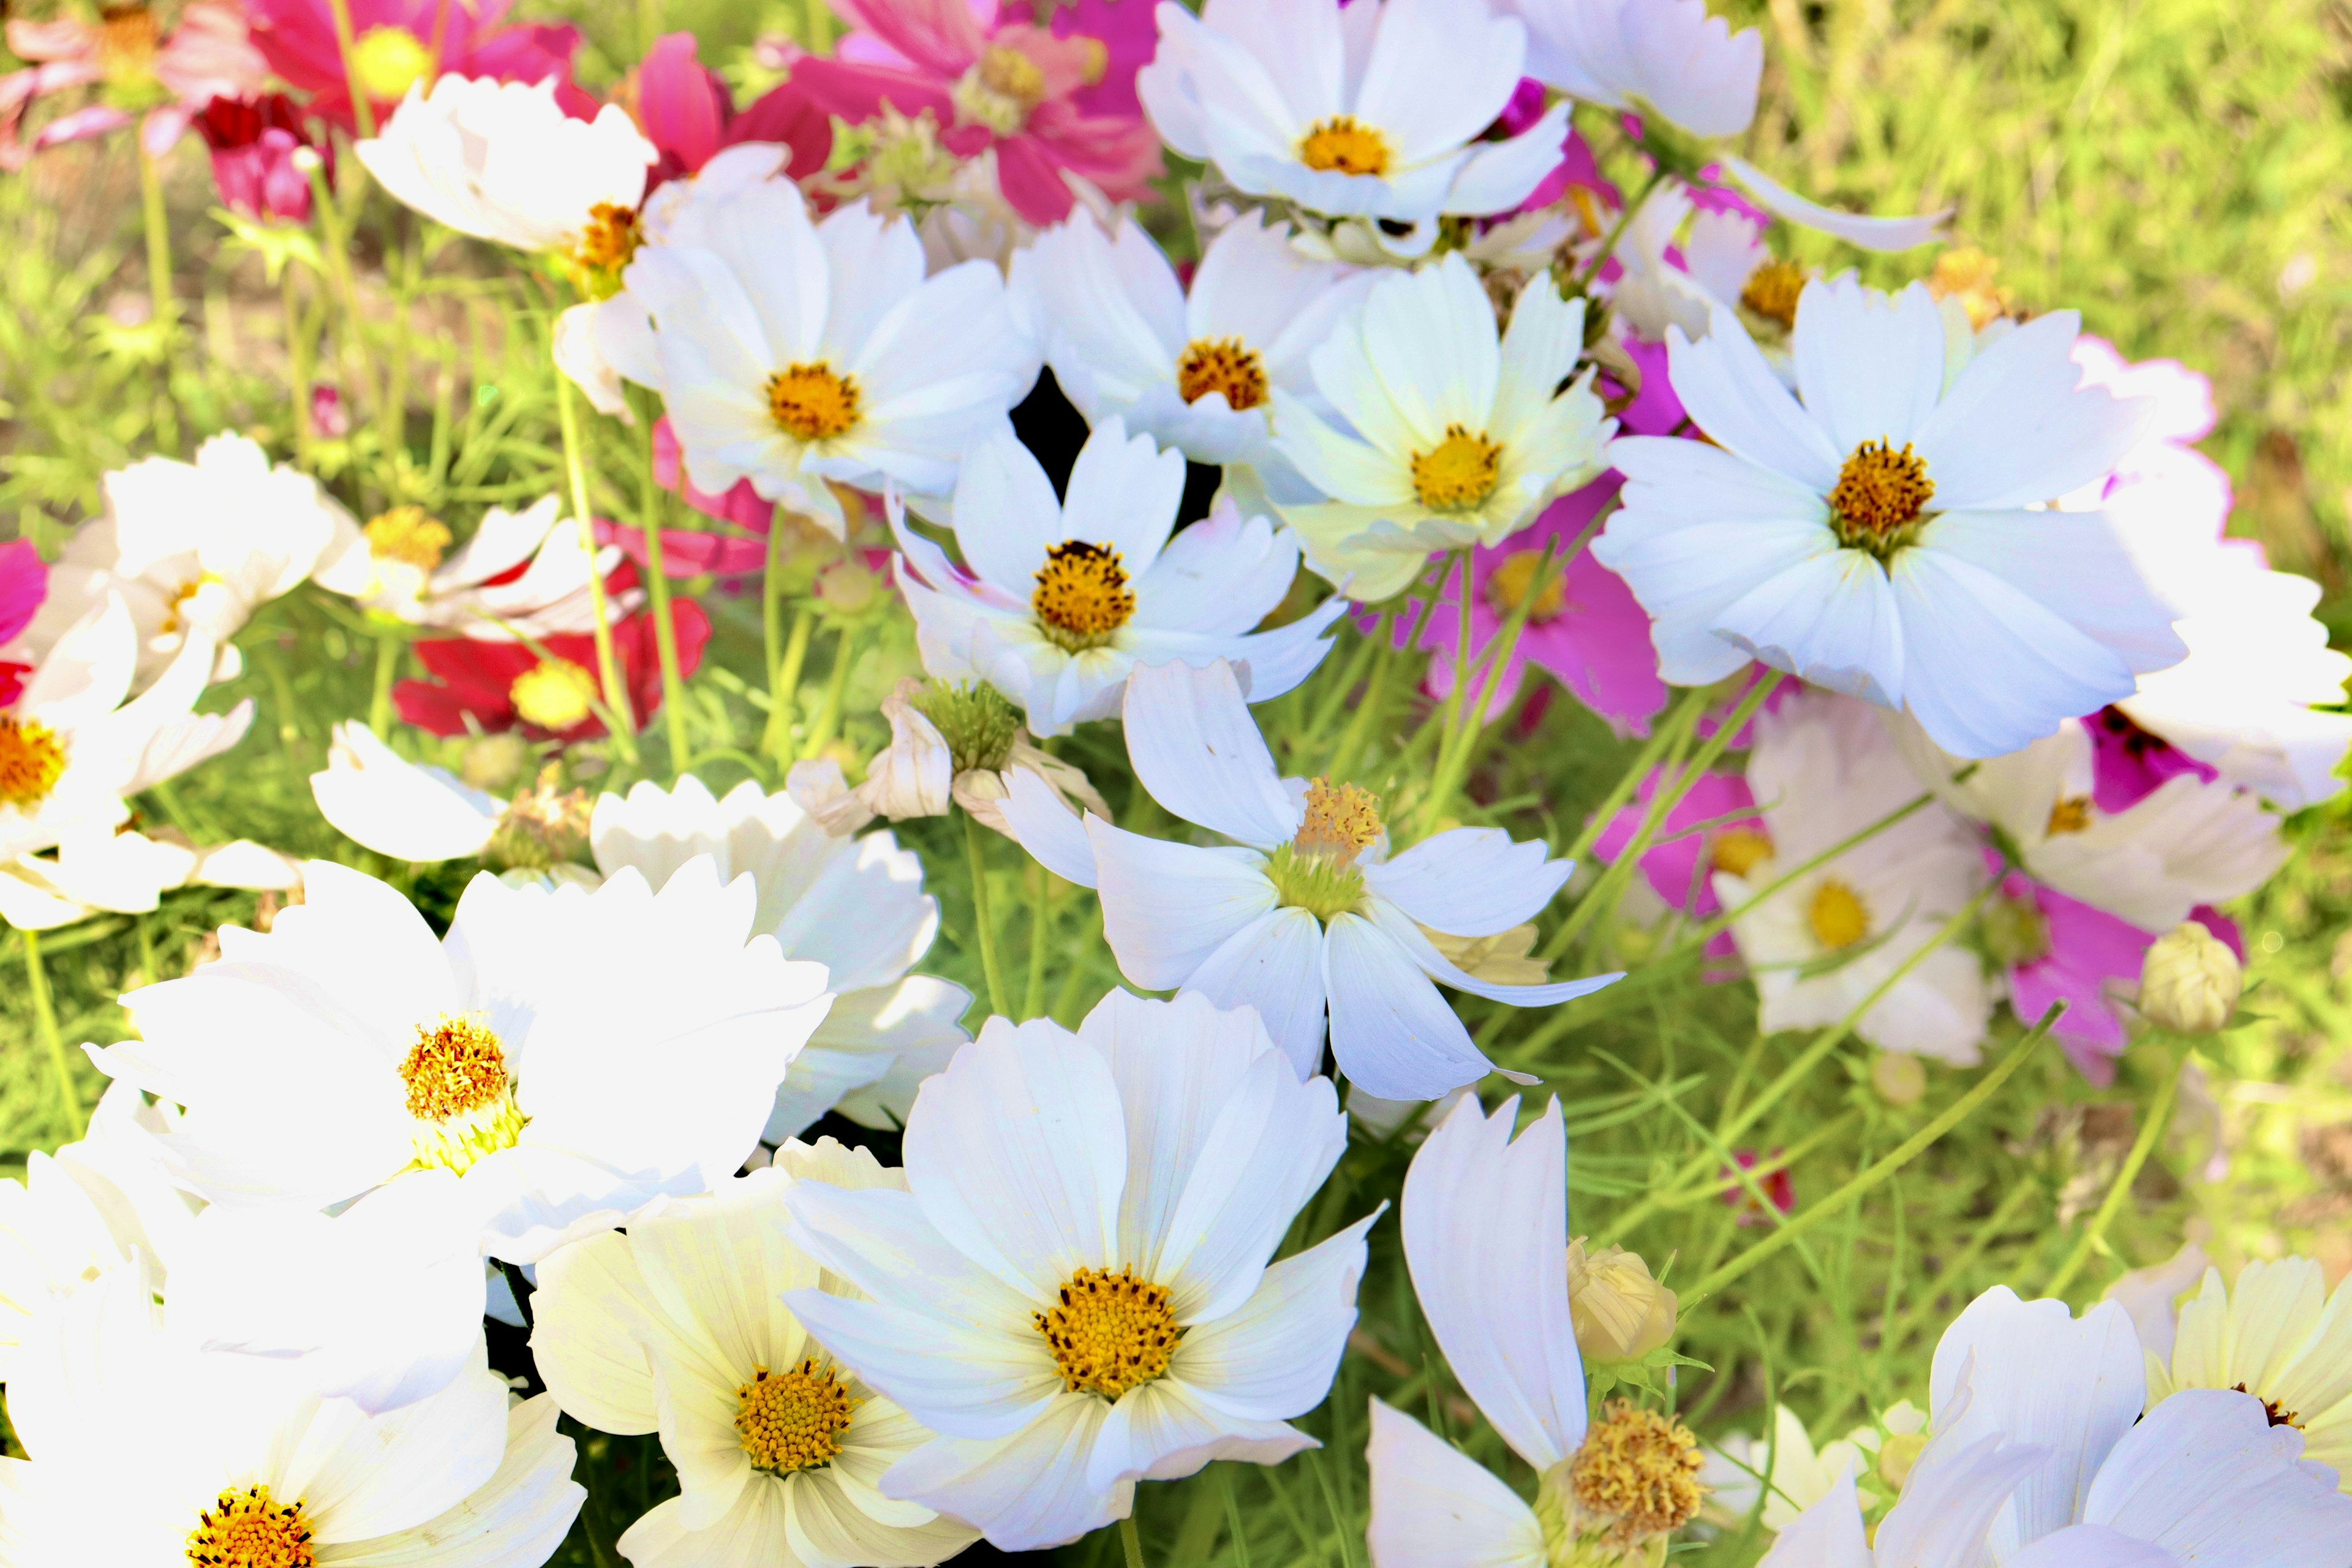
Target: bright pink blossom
x,y
398,43
689,553
160,81
253,141
688,112
24,584
1683,854
1048,101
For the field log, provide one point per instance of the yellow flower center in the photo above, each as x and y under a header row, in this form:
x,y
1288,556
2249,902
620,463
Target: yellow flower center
x,y
460,1094
186,590
1508,584
606,243
1739,850
2070,814
1459,473
387,61
810,403
1109,1332
1000,89
2278,1416
248,1528
1345,143
1342,821
126,44
1639,1469
1965,274
1222,364
1082,598
407,535
793,1420
554,694
1880,493
32,758
1772,291
1837,915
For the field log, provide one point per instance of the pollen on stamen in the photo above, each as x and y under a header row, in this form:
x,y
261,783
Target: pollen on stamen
x,y
1880,493
1343,144
1109,1332
1459,473
456,1066
555,695
406,534
793,1420
32,760
2279,1417
812,402
1772,291
1082,598
1639,1469
2070,814
1739,850
606,244
1222,364
1341,822
1837,916
1508,584
246,1528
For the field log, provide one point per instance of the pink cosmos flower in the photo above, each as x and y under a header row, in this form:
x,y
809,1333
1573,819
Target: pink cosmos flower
x,y
1586,629
1680,863
253,141
741,506
160,81
24,584
397,43
1047,101
687,553
688,112
2127,763
1777,1186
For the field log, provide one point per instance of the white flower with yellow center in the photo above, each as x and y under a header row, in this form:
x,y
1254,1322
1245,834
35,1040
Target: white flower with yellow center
x,y
2279,1334
794,355
522,574
1485,1235
502,162
854,905
1075,1289
1059,598
239,1463
191,548
680,1326
1307,911
1194,368
71,749
560,1060
1455,435
1825,767
2040,1458
1881,530
2192,841
1373,110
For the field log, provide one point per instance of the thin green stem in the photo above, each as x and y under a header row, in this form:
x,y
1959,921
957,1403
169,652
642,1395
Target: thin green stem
x,y
649,519
1617,230
828,713
1041,932
608,664
297,366
362,111
982,920
1454,760
2159,1111
1129,1543
53,1040
1326,712
1901,1155
389,643
1351,740
166,308
784,684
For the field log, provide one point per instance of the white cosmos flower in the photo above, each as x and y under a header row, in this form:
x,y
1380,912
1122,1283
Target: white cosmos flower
x,y
1720,253
854,905
411,811
1649,56
1822,768
680,1326
1074,1291
2279,1334
559,1061
794,353
501,161
1373,110
1455,435
1877,532
1308,910
239,1461
71,749
99,868
1195,369
522,574
2040,1458
191,548
2190,842
1060,598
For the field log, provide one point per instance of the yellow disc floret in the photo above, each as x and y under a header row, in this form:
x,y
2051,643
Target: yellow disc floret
x,y
1739,850
1082,597
554,694
793,1420
32,759
247,1528
1341,821
387,61
127,40
1772,292
1459,473
1965,274
1639,1469
1880,494
407,535
812,402
1109,1332
1837,916
606,243
2070,814
459,1093
1222,364
1508,584
1344,144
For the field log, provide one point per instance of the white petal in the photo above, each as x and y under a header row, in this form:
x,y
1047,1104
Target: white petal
x,y
1390,1030
1167,907
1197,750
1471,882
1273,964
1870,233
1435,1507
2209,1478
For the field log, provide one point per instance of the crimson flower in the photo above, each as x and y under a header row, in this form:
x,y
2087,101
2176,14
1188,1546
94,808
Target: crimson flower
x,y
492,687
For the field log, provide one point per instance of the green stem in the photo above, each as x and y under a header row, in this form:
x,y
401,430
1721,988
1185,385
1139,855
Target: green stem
x,y
608,666
1129,1543
784,685
44,1018
1902,1154
362,111
1454,760
1617,230
2158,1113
388,646
1351,740
983,922
828,713
1336,698
658,596
298,368
1041,932
158,224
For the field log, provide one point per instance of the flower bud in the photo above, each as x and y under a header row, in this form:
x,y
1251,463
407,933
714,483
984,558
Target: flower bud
x,y
1621,1313
2189,981
1899,1077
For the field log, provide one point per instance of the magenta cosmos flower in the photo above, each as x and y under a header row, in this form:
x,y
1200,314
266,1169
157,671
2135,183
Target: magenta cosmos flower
x,y
140,74
397,43
253,141
1048,101
688,112
24,584
1704,832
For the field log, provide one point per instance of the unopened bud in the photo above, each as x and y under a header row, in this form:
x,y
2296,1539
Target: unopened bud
x,y
2189,981
1897,1454
1621,1313
493,763
1899,1077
